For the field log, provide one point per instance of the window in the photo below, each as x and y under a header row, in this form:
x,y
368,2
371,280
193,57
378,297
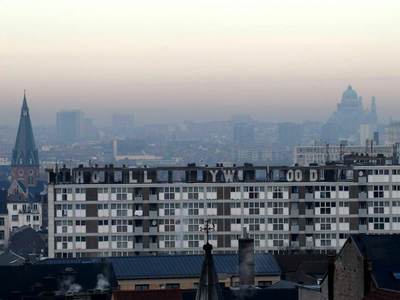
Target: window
x,y
169,241
278,240
1,221
278,223
378,191
264,283
172,286
326,223
169,192
379,206
325,191
193,192
142,287
193,240
325,207
326,239
254,224
194,224
254,207
277,207
277,191
253,191
378,223
14,218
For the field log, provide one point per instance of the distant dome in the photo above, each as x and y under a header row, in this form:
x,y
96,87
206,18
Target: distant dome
x,y
349,94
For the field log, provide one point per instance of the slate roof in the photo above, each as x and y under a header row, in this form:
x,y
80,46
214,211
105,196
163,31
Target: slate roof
x,y
178,266
303,268
383,252
27,242
25,152
9,258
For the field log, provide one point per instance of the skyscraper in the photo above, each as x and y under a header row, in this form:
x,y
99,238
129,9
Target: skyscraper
x,y
122,124
69,126
25,158
243,134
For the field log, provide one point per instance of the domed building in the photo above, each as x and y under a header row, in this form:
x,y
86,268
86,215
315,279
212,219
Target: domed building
x,y
344,123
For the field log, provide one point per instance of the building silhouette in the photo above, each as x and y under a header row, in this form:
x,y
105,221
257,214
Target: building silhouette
x,y
345,122
25,157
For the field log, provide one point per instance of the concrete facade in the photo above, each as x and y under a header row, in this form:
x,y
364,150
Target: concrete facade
x,y
123,211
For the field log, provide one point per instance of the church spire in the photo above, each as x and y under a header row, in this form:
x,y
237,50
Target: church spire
x,y
208,288
25,158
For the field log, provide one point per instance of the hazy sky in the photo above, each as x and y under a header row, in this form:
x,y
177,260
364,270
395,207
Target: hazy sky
x,y
170,60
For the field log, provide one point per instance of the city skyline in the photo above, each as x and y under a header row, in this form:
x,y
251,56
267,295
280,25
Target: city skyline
x,y
276,60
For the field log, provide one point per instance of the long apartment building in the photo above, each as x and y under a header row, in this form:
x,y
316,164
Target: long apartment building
x,y
322,154
120,211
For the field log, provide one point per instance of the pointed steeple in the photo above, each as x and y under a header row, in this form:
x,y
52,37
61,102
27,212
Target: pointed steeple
x,y
25,152
208,288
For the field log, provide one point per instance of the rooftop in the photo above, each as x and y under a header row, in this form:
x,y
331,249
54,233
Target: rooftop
x,y
177,266
383,252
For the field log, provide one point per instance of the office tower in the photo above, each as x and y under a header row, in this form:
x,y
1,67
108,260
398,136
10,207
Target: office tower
x,y
122,125
243,134
69,126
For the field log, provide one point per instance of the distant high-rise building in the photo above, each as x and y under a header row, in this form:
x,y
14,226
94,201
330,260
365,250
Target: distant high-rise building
x,y
25,158
345,122
391,133
289,134
122,124
243,134
69,125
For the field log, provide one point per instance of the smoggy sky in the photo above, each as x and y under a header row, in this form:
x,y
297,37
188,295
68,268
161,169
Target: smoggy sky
x,y
203,60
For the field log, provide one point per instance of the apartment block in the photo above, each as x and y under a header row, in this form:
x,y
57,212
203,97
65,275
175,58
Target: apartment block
x,y
121,211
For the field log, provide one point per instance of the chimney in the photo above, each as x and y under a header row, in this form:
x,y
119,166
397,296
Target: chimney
x,y
331,276
367,275
246,260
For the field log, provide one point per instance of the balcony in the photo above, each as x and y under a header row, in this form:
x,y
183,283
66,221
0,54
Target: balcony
x,y
294,212
309,196
153,197
138,246
362,180
294,228
362,196
309,228
309,212
153,214
138,198
153,229
294,245
310,244
139,229
363,228
294,196
362,211
153,246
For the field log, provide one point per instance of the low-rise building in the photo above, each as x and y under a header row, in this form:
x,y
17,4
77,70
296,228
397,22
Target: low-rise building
x,y
181,271
367,267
